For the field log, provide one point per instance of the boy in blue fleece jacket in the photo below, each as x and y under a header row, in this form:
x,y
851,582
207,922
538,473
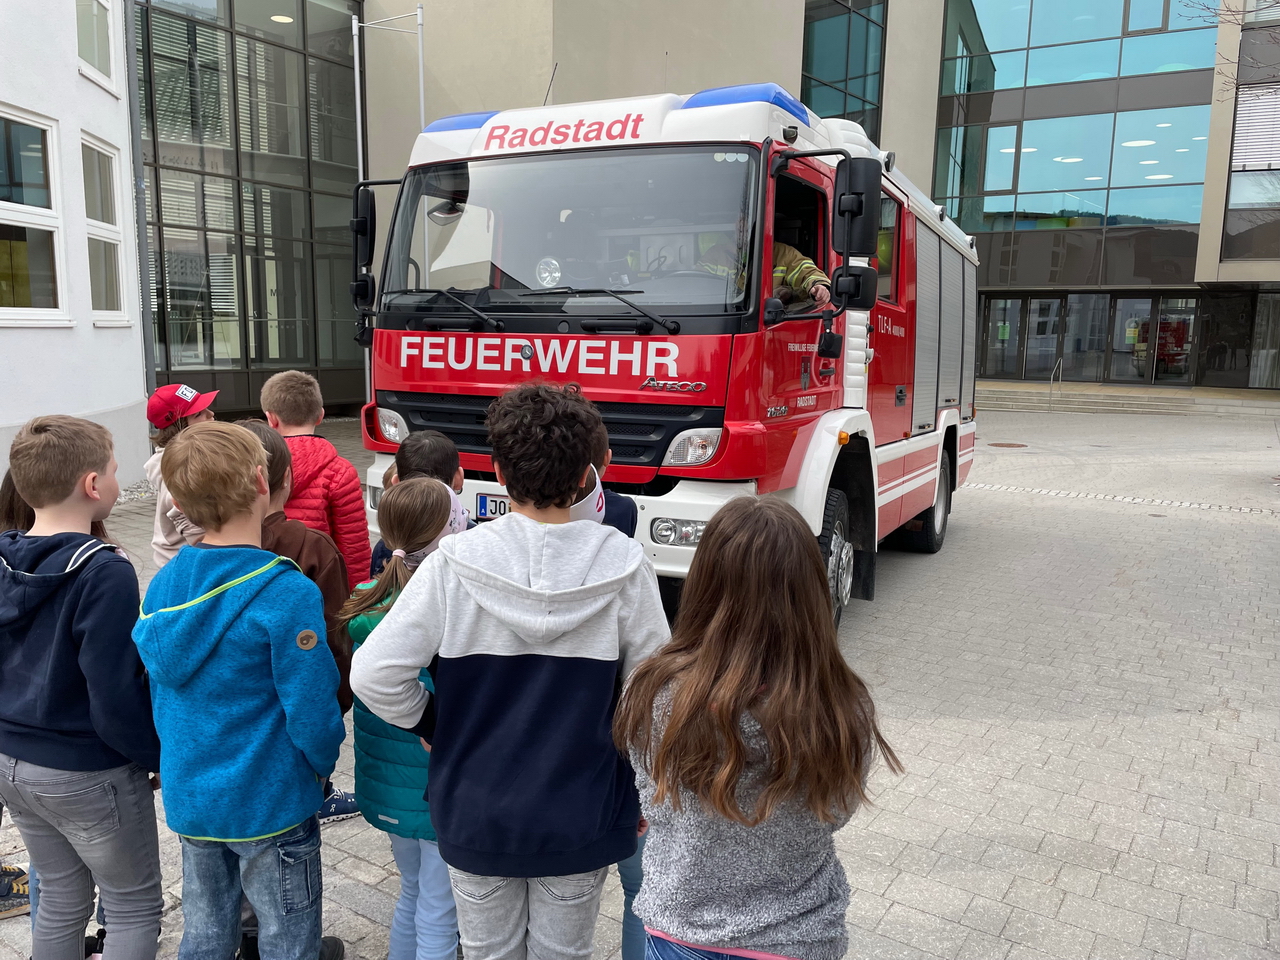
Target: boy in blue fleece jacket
x,y
76,738
245,697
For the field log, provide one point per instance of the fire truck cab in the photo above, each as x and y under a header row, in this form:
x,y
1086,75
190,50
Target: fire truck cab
x,y
653,250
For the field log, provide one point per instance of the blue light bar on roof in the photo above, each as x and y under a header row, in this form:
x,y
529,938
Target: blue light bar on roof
x,y
460,121
750,93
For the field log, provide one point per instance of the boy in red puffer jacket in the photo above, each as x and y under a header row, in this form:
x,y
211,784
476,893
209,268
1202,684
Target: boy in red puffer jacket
x,y
326,489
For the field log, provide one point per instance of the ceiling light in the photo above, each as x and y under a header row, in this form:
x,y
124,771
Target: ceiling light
x,y
1164,124
1030,149
1199,138
1093,178
1137,143
1159,176
1008,150
1068,159
1182,150
1147,162
279,18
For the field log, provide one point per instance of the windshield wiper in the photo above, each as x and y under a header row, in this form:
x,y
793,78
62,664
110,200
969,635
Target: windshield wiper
x,y
671,326
497,325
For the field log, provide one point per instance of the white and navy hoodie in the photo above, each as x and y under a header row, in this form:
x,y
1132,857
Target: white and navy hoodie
x,y
529,630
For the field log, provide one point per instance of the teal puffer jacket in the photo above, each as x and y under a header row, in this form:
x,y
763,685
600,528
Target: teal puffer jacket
x,y
391,765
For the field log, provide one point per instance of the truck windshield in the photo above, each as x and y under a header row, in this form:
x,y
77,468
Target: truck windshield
x,y
670,228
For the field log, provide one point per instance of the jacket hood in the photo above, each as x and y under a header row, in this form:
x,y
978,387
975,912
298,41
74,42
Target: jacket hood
x,y
193,600
311,454
542,579
33,568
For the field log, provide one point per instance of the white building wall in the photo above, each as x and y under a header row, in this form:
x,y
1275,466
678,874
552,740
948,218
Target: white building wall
x,y
71,359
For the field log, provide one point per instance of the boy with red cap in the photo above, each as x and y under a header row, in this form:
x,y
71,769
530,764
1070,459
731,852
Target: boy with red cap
x,y
171,409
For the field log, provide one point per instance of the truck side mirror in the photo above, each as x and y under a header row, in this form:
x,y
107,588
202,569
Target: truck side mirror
x,y
364,227
362,290
855,217
855,287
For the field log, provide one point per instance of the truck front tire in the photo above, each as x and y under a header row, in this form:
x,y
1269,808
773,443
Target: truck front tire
x,y
837,551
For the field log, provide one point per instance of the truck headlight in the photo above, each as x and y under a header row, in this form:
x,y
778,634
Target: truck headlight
x,y
392,426
677,533
692,447
375,497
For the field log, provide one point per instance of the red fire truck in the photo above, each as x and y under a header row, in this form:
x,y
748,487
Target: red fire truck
x,y
647,249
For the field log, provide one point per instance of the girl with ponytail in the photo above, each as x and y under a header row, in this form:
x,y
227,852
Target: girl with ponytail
x,y
391,764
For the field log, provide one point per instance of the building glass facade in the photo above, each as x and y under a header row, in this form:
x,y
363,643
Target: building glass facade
x,y
1072,143
249,141
843,53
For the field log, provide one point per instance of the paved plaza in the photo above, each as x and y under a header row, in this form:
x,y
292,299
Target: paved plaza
x,y
1083,687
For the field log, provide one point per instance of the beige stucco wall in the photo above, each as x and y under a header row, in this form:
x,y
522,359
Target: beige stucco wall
x,y
909,104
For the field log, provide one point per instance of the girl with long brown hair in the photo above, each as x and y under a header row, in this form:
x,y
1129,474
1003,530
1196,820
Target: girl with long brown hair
x,y
751,740
391,765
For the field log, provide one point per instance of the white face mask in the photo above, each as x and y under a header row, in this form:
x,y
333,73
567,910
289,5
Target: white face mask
x,y
592,507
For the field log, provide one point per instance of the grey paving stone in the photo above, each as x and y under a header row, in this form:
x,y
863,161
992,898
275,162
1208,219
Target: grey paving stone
x,y
1052,937
1225,922
1103,918
929,896
921,930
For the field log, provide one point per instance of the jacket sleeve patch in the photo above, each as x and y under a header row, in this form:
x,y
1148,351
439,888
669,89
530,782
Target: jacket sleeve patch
x,y
307,639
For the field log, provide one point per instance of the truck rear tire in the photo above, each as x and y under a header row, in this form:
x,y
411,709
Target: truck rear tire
x,y
837,551
933,522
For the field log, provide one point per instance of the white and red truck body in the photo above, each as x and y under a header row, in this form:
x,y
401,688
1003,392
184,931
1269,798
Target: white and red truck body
x,y
877,422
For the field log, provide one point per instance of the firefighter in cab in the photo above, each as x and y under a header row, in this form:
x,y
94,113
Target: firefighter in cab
x,y
795,276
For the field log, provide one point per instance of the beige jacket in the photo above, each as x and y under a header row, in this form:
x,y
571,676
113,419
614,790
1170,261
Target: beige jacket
x,y
172,529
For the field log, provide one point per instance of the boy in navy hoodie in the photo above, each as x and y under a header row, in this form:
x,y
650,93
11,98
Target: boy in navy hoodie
x,y
245,693
77,744
530,624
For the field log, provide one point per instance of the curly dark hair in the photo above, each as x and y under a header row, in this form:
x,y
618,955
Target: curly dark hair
x,y
542,438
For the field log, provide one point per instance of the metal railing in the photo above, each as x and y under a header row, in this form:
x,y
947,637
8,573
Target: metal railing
x,y
1057,372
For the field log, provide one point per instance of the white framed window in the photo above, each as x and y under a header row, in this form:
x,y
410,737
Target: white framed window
x,y
93,31
102,208
31,252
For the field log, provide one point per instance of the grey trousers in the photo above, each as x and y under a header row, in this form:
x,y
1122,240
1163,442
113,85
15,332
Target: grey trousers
x,y
81,828
535,918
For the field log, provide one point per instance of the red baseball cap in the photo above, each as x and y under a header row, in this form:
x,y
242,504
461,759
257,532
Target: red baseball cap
x,y
175,400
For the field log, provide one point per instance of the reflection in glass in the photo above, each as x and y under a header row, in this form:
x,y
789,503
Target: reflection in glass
x,y
1130,331
866,40
1169,52
195,201
1154,205
332,106
1255,188
886,250
269,94
333,218
994,71
334,311
275,211
1043,317
27,277
157,300
981,26
279,21
24,173
1064,153
826,42
141,24
202,300
93,31
1058,21
1002,143
191,65
1160,146
1003,338
1073,62
1145,15
984,214
1084,336
215,10
1185,14
1177,317
1265,370
99,186
1225,339
104,275
822,99
1058,211
1252,234
959,160
329,28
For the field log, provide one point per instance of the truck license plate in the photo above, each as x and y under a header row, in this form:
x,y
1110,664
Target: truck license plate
x,y
489,507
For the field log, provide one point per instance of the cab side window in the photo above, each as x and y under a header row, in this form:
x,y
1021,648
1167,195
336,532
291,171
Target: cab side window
x,y
887,250
797,224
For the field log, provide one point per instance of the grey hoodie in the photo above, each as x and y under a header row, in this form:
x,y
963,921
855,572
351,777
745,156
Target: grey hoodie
x,y
529,630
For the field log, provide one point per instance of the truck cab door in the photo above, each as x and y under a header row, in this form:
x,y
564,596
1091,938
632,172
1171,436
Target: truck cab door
x,y
891,375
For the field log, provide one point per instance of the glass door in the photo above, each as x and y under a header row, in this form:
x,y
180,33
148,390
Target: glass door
x,y
1174,339
1130,336
1002,346
1043,318
1084,336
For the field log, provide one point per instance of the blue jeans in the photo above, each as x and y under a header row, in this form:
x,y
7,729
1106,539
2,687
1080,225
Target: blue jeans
x,y
660,948
280,875
631,873
425,924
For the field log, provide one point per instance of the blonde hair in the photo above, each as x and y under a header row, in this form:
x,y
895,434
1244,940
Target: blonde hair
x,y
411,514
211,470
50,455
294,397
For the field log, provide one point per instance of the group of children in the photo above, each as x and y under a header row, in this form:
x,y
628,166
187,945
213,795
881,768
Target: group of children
x,y
523,715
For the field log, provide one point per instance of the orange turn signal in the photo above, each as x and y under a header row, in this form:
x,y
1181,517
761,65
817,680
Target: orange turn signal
x,y
843,438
